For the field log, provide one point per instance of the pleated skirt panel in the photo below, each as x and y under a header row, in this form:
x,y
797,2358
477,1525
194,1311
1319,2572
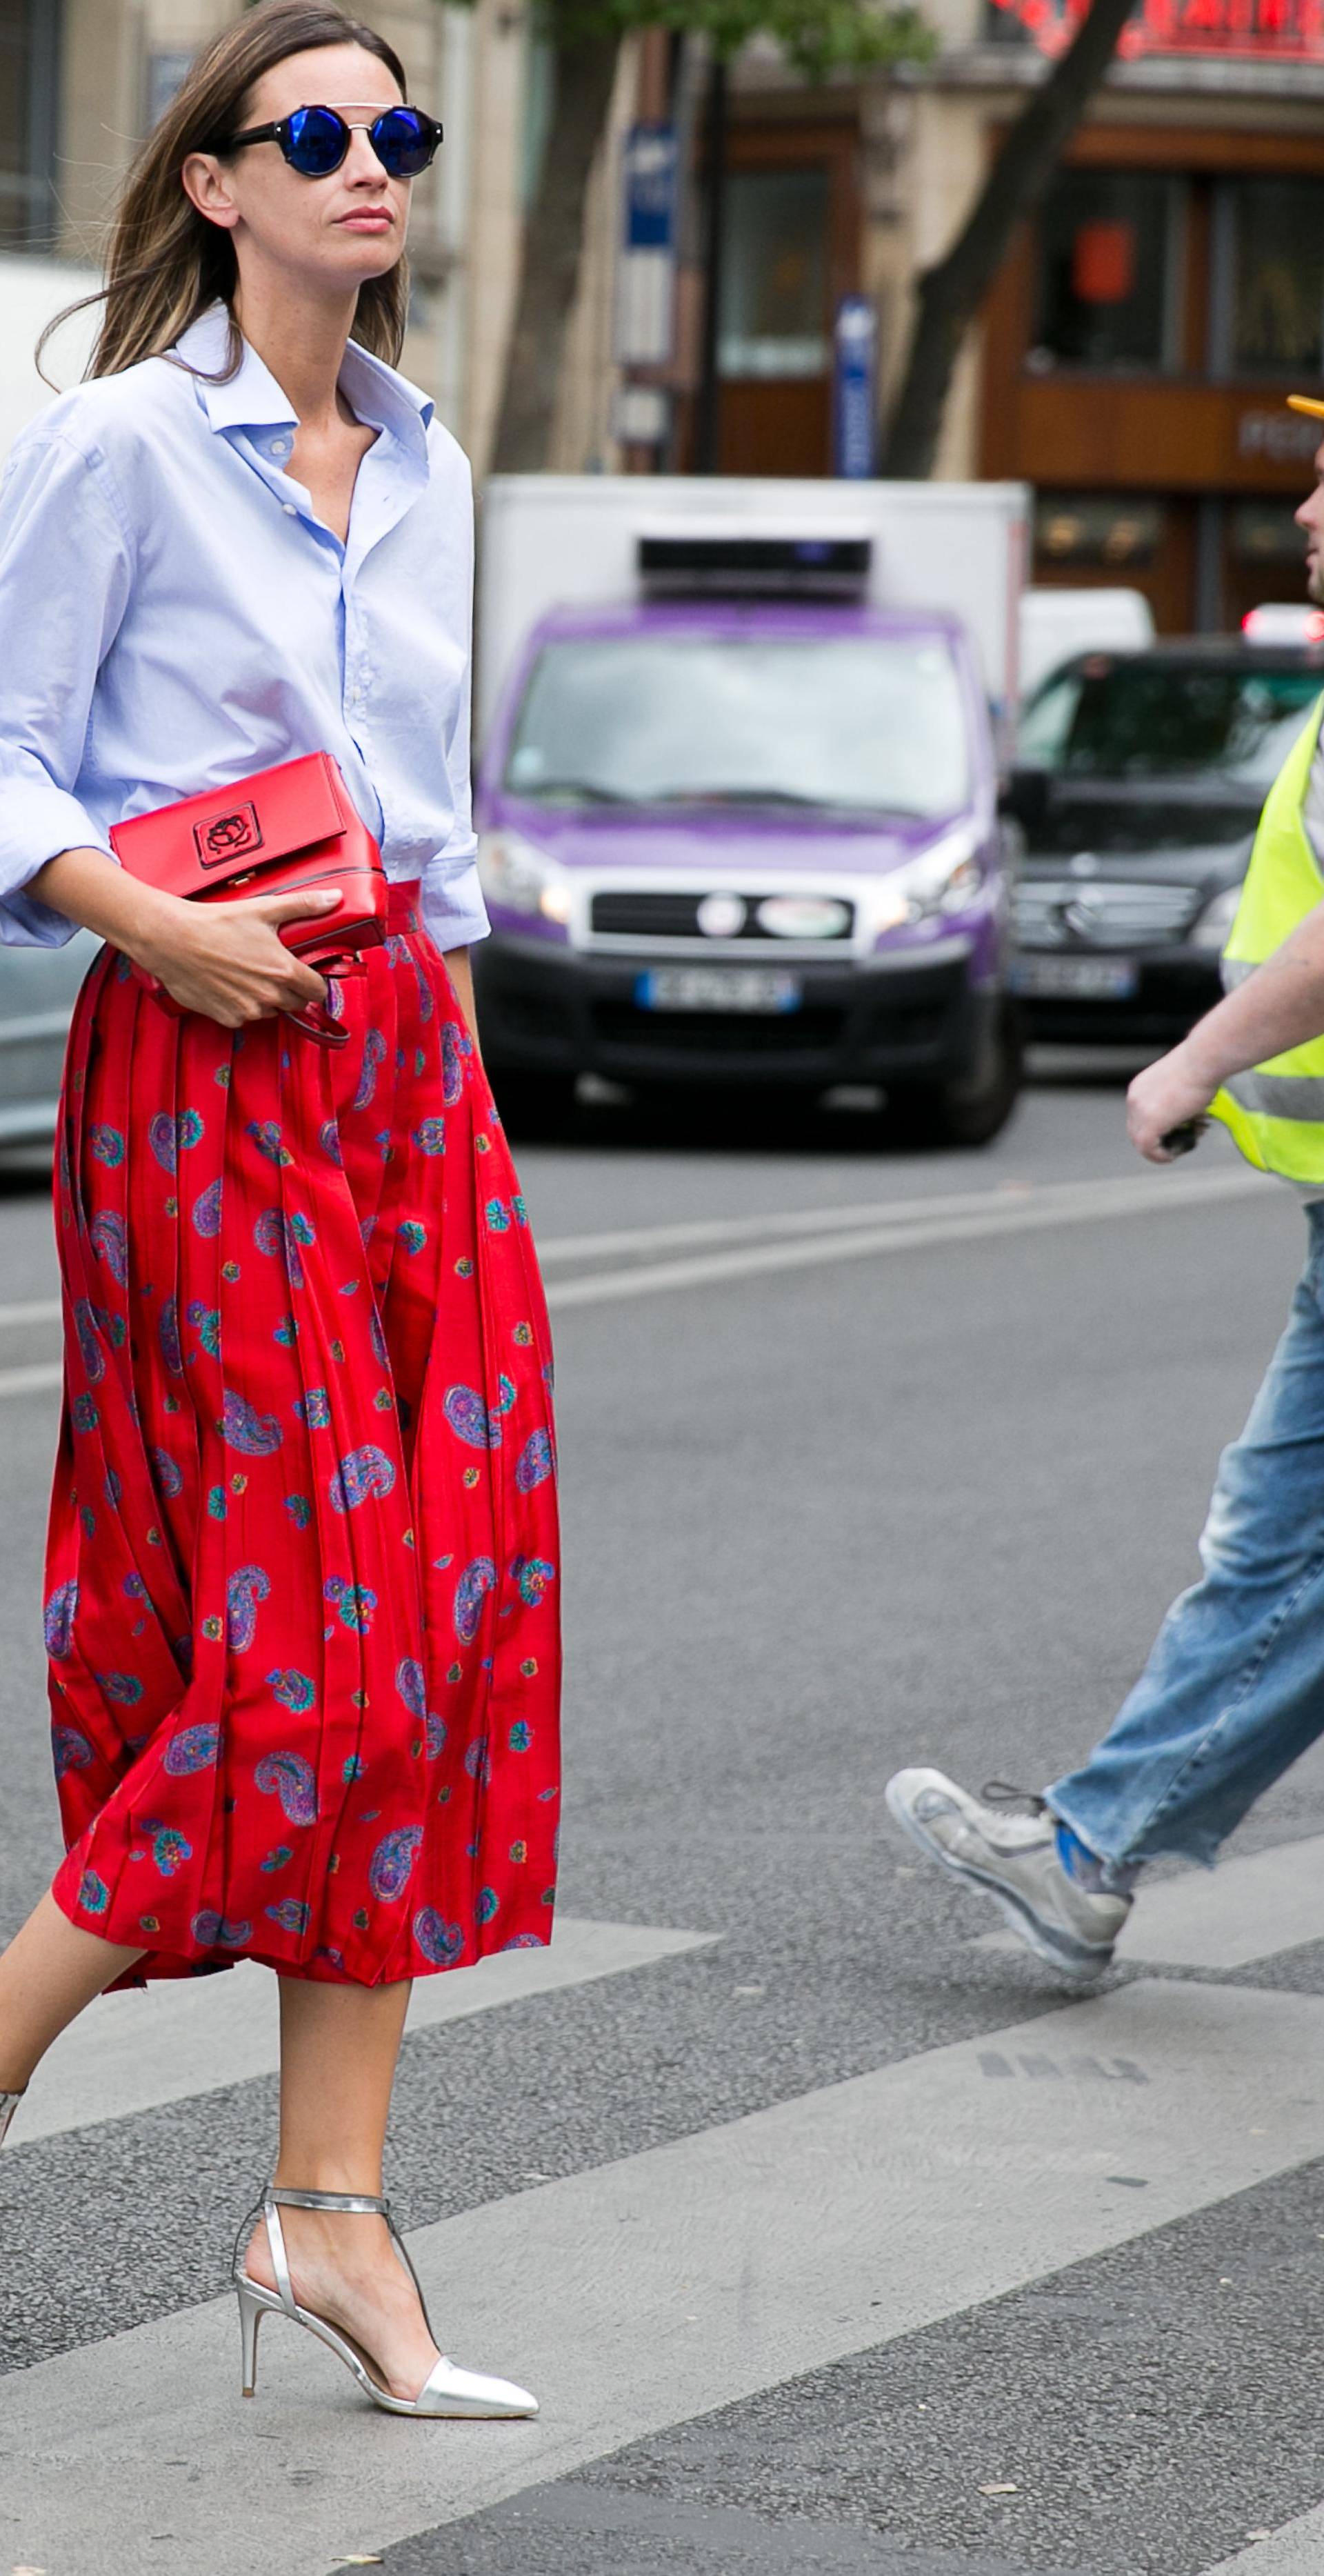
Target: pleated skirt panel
x,y
302,1589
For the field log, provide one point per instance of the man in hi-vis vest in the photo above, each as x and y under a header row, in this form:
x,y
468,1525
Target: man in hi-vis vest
x,y
1234,1689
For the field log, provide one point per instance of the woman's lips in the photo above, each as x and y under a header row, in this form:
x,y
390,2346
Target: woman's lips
x,y
368,220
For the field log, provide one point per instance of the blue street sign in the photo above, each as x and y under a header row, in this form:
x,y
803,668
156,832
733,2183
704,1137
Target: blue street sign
x,y
854,361
646,270
649,171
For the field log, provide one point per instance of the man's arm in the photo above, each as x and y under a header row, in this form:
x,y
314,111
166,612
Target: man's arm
x,y
1277,1007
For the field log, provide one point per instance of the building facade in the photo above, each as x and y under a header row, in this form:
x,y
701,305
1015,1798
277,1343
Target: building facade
x,y
1133,356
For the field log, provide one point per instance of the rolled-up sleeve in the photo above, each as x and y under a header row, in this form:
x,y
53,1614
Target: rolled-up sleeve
x,y
454,913
65,574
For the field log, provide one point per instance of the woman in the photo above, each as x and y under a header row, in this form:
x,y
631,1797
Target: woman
x,y
301,1611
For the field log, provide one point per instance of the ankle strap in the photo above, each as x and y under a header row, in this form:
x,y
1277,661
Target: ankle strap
x,y
362,2201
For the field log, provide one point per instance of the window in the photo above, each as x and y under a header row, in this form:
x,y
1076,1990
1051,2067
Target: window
x,y
28,34
1110,244
1146,719
859,722
773,319
1271,321
1075,530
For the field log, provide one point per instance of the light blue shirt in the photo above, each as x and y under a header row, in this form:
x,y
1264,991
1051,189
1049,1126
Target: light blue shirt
x,y
174,615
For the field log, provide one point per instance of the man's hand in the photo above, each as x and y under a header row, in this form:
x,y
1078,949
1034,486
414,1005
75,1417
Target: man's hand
x,y
1165,1096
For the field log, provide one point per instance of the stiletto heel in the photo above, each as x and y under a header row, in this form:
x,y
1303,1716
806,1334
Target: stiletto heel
x,y
9,2103
250,2318
445,2391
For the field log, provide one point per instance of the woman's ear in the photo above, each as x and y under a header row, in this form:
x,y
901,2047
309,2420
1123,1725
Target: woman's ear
x,y
206,184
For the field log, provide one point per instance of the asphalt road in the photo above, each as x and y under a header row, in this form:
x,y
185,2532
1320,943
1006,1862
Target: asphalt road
x,y
841,1491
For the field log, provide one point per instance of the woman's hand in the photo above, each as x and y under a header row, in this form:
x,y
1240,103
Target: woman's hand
x,y
226,960
1165,1096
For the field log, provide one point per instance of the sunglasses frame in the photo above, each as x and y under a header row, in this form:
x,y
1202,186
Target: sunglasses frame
x,y
279,133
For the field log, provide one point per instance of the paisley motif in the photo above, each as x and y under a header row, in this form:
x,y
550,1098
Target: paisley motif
x,y
532,1575
93,1893
212,1932
161,1138
207,1210
430,1136
439,1941
275,1232
277,1859
110,1243
169,1477
453,1053
195,1748
470,1592
328,1137
124,1688
363,1472
392,1862
107,1145
254,1434
469,1418
410,1684
290,1912
167,1334
355,1603
89,1345
314,1408
248,1585
292,1780
295,1690
71,1750
374,1054
535,1462
170,1850
267,1137
83,1413
58,1619
413,1236
206,1322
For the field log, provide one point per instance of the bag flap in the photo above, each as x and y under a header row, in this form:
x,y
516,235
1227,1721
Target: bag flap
x,y
256,820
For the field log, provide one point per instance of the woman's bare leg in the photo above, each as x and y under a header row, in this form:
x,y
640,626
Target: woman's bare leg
x,y
51,1969
338,2051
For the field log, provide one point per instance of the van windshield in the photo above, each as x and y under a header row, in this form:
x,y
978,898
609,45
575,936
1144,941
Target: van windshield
x,y
1233,724
871,724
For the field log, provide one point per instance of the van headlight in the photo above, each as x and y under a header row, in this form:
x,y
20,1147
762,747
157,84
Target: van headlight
x,y
1214,926
517,878
947,879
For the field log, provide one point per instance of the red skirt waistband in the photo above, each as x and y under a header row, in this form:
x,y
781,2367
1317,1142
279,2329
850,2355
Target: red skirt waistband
x,y
402,900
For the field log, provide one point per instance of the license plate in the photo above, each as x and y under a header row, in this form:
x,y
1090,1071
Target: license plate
x,y
717,988
1083,979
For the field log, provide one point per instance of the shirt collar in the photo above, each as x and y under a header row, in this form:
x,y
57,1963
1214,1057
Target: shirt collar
x,y
252,399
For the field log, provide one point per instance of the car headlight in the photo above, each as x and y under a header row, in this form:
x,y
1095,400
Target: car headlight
x,y
517,878
946,880
1214,926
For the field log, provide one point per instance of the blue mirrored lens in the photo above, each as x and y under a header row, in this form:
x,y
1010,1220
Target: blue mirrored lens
x,y
318,141
402,141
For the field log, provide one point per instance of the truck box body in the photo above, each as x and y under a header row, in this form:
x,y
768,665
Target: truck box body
x,y
738,795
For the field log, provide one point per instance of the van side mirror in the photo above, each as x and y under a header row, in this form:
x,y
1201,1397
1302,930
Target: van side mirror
x,y
1023,795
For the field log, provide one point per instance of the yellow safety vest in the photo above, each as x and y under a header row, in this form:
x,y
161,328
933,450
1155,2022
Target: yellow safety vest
x,y
1276,1112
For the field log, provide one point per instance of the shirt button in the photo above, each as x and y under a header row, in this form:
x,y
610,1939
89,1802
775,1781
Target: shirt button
x,y
290,509
280,447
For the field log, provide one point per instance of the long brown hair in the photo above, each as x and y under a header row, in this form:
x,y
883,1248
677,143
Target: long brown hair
x,y
165,264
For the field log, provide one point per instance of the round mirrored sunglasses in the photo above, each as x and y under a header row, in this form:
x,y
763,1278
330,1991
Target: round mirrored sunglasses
x,y
315,140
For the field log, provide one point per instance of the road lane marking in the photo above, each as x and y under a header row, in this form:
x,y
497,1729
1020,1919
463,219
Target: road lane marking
x,y
132,2052
40,1310
641,2294
1249,1908
805,1238
696,1232
28,1381
1295,2549
1028,1216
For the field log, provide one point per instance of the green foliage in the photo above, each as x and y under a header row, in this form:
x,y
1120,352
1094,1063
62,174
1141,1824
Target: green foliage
x,y
817,36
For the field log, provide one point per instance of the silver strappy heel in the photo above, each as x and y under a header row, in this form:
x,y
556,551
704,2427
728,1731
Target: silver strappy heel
x,y
9,2103
446,2390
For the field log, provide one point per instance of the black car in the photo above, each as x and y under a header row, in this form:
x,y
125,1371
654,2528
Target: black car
x,y
1140,782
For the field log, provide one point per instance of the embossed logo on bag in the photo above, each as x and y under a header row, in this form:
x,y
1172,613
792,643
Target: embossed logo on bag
x,y
228,836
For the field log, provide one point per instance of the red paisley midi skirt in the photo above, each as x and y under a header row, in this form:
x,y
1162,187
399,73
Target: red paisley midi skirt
x,y
301,1608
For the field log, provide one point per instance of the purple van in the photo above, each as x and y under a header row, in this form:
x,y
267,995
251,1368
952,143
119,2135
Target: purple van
x,y
748,840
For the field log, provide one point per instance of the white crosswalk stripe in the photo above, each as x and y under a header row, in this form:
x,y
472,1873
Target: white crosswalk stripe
x,y
639,2295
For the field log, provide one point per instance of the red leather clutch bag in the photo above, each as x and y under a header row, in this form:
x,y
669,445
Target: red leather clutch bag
x,y
278,832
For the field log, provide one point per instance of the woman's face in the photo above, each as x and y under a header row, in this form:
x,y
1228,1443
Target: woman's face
x,y
334,233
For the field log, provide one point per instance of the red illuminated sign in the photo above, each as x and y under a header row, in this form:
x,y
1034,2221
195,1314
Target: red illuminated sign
x,y
1289,30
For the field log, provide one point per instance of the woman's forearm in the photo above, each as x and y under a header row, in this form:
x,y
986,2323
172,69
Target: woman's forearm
x,y
95,891
459,967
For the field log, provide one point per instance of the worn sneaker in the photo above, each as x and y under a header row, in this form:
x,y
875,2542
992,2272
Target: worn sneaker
x,y
1015,1859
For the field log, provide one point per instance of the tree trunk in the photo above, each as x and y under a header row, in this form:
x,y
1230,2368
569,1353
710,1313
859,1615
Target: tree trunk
x,y
585,74
708,407
950,293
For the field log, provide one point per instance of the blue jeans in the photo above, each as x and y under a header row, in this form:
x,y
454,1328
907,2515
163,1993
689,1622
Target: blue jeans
x,y
1234,1689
